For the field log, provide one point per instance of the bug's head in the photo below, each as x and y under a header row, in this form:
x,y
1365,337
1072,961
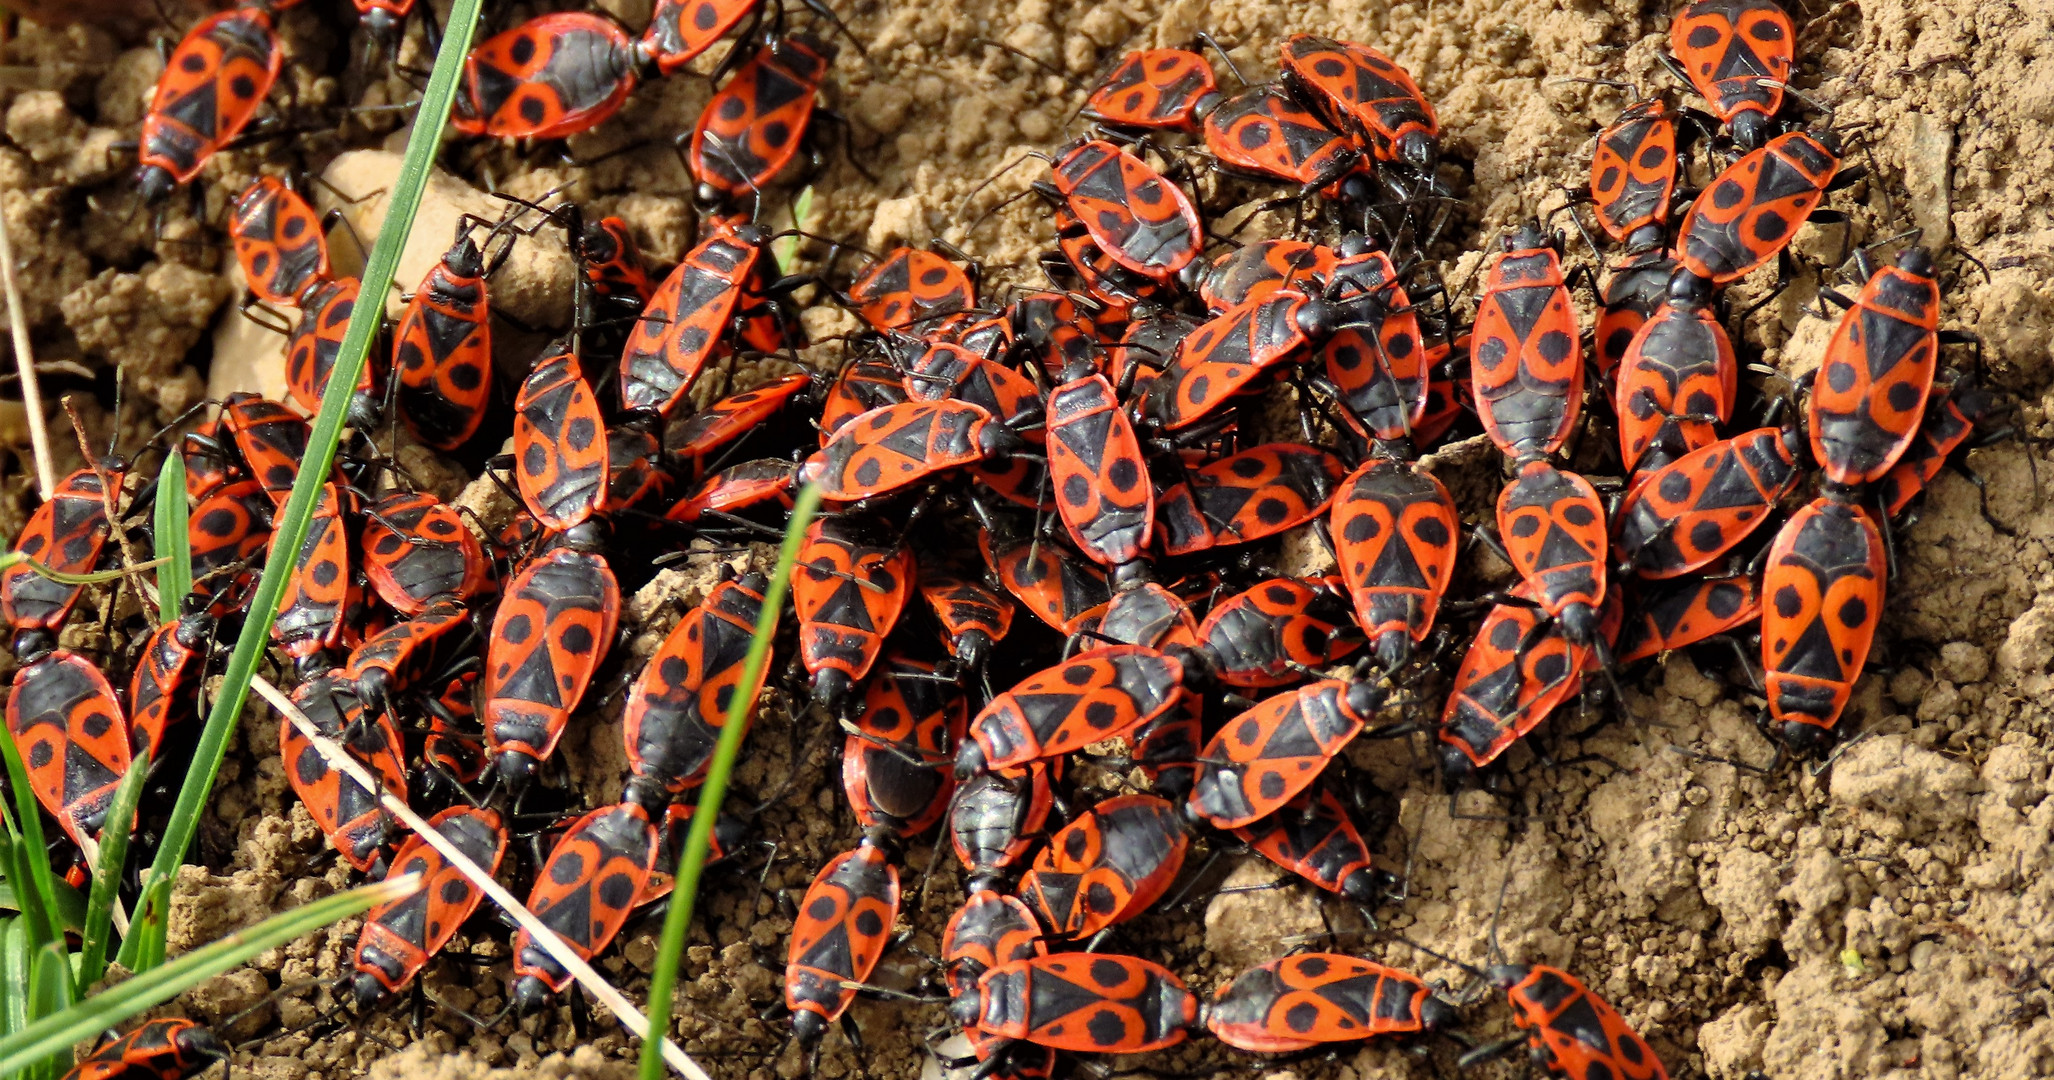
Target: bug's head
x,y
1507,976
1916,260
383,27
1456,768
155,184
808,1027
1527,237
1418,149
201,1044
33,644
464,259
516,771
530,995
1394,649
1751,130
1803,738
830,688
1437,1012
367,990
1688,291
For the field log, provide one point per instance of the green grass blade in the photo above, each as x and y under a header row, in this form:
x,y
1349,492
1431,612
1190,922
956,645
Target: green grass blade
x,y
143,948
53,1034
787,247
99,921
671,946
175,577
291,529
31,866
14,976
50,994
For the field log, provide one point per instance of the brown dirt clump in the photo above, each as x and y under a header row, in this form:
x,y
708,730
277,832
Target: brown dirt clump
x,y
1892,918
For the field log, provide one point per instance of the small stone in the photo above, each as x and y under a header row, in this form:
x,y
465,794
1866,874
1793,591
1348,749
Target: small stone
x,y
1962,663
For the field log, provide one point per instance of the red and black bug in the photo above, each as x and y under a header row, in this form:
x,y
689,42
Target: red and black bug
x,y
1688,513
226,534
1226,354
1635,287
888,448
857,389
208,463
1249,496
1101,480
1298,1002
1953,412
942,370
1552,524
1379,360
754,125
553,628
161,691
584,892
1154,88
1089,698
1107,866
615,276
1258,269
1752,210
730,834
278,241
1728,49
696,441
1058,587
1313,837
680,701
552,76
843,926
1575,1034
316,340
1147,615
686,321
1676,380
209,90
736,488
1270,753
1869,396
910,288
410,655
973,617
1526,355
991,929
65,534
442,350
401,936
1271,633
1822,598
1086,1002
559,443
1366,97
272,440
995,816
169,1049
849,592
416,550
1633,175
1521,666
1134,214
315,606
680,30
895,762
1672,614
351,817
67,726
1264,131
1395,530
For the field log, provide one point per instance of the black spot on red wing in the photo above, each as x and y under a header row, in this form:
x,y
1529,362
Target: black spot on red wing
x,y
869,924
1608,179
41,754
823,908
1702,36
1108,973
1101,715
1505,636
455,891
1789,603
1854,613
1770,227
517,629
523,51
1707,536
194,63
1727,194
1271,786
1302,1017
567,868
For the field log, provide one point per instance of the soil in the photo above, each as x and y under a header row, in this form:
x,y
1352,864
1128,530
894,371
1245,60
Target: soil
x,y
1893,917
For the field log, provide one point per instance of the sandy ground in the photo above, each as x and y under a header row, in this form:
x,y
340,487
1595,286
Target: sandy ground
x,y
1889,919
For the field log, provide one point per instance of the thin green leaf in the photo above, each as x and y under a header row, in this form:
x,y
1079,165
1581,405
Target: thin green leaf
x,y
99,921
14,976
671,946
50,994
787,247
175,577
30,864
16,558
291,527
116,1004
143,948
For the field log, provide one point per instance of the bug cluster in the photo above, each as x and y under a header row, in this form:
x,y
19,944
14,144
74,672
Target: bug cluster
x,y
1111,456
